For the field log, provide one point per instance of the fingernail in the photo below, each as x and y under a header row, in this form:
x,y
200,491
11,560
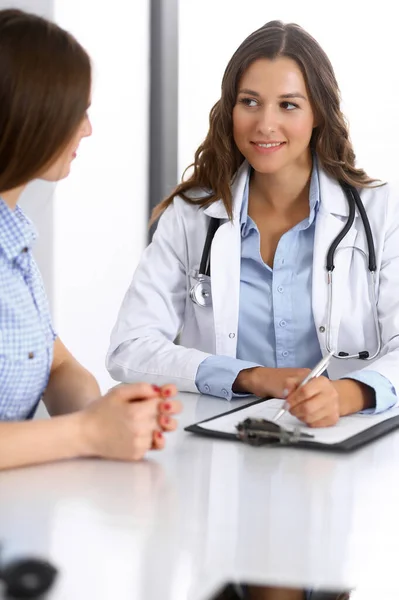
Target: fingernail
x,y
166,392
285,393
166,406
159,435
156,388
166,420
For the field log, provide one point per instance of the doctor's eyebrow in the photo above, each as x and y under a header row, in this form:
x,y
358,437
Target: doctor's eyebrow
x,y
293,95
282,96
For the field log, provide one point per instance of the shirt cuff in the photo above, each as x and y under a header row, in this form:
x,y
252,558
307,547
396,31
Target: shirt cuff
x,y
216,375
385,395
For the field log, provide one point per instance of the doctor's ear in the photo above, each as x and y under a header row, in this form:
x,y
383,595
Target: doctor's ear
x,y
317,119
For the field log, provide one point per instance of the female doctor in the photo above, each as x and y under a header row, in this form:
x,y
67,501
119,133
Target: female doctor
x,y
272,171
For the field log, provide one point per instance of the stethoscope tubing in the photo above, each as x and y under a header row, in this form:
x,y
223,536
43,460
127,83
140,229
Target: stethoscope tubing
x,y
354,201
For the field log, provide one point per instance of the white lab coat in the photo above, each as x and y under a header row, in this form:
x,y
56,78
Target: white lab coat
x,y
157,306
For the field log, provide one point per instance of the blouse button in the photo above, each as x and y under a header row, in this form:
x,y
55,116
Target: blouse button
x,y
322,329
31,355
232,335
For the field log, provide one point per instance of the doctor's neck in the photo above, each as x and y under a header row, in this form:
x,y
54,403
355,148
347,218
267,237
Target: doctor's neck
x,y
11,197
283,189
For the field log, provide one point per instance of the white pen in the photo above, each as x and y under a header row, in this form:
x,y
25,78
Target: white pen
x,y
318,370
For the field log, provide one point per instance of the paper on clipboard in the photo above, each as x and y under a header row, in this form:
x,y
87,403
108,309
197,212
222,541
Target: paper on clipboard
x,y
346,427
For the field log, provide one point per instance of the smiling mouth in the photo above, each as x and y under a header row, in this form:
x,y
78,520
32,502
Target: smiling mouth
x,y
268,144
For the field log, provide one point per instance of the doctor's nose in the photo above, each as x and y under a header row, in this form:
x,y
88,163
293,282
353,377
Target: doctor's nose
x,y
268,121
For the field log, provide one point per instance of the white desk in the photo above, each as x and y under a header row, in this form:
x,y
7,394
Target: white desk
x,y
204,511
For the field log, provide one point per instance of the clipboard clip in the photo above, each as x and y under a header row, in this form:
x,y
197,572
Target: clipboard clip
x,y
259,432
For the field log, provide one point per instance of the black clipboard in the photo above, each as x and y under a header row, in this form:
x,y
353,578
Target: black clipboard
x,y
348,445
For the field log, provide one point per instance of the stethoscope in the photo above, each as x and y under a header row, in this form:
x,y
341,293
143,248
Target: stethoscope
x,y
201,293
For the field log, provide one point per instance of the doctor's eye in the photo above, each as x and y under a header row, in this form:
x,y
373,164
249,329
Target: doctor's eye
x,y
288,105
250,102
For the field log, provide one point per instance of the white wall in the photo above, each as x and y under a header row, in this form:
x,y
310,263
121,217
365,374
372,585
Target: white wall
x,y
101,209
360,39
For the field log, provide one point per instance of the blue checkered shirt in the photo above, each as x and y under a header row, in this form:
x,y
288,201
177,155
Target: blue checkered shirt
x,y
26,334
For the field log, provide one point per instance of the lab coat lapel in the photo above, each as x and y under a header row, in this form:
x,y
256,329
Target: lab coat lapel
x,y
225,270
331,218
225,281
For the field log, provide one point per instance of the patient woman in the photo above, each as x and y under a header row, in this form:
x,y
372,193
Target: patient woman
x,y
45,80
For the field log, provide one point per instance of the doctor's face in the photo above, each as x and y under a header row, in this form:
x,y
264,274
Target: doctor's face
x,y
273,118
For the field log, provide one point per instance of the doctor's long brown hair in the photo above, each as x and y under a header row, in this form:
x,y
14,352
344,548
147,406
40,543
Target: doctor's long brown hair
x,y
217,158
45,81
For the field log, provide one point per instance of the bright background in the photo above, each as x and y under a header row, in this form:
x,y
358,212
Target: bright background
x,y
360,39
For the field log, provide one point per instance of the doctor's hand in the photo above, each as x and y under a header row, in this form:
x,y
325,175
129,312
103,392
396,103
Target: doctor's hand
x,y
128,421
321,402
317,403
266,381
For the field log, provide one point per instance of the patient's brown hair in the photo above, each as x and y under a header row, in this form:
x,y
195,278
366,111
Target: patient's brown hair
x,y
45,81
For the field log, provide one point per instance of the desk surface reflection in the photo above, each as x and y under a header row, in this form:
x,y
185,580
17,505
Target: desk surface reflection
x,y
205,512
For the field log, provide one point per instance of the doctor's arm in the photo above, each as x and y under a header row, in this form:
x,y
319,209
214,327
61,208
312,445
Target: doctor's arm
x,y
321,402
382,375
228,377
383,392
373,388
152,314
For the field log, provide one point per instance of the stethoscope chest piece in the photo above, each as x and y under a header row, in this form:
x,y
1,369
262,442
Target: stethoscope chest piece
x,y
201,293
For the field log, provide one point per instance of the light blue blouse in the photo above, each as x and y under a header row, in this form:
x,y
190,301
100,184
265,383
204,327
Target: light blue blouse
x,y
276,326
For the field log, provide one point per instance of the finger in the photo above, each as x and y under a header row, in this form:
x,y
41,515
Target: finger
x,y
305,393
307,408
316,410
167,423
318,385
170,407
140,422
158,440
328,414
168,391
141,445
134,391
322,419
143,409
291,384
326,422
